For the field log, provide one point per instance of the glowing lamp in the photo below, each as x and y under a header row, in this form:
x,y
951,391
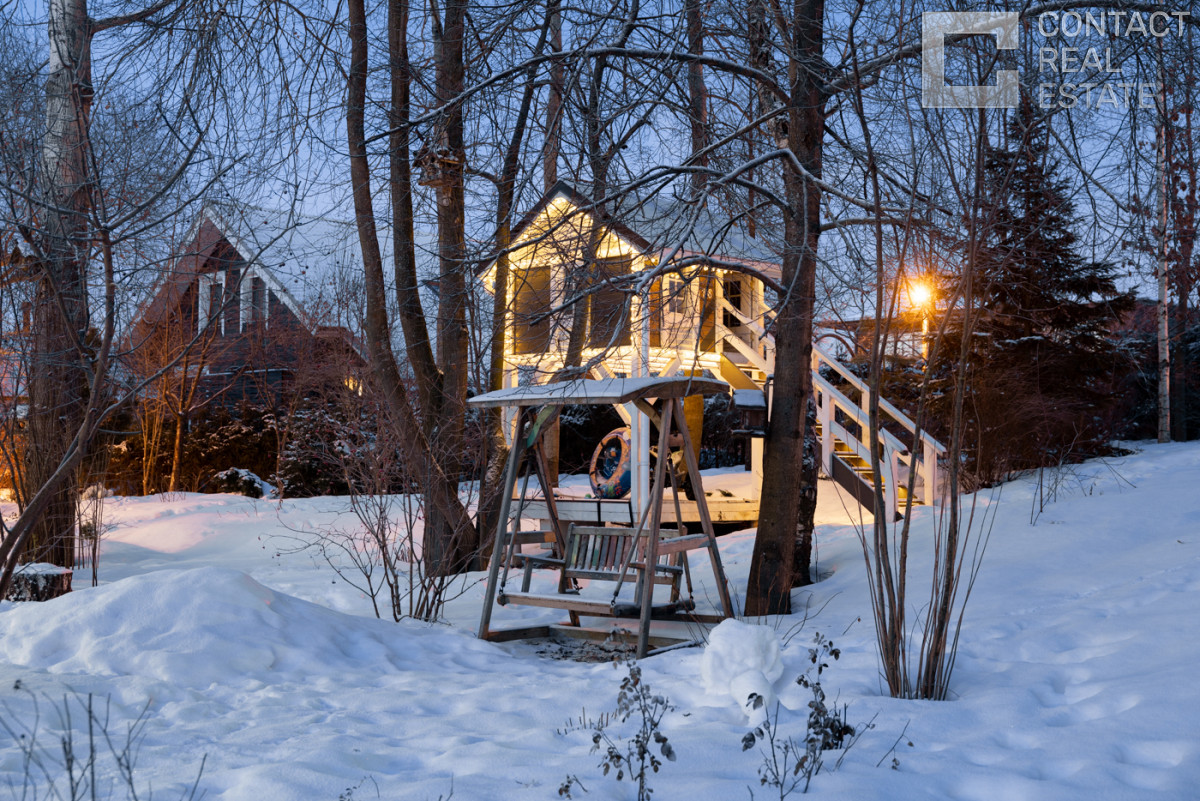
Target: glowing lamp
x,y
920,294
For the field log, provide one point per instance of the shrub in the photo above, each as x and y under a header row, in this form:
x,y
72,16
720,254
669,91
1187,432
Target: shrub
x,y
84,757
790,764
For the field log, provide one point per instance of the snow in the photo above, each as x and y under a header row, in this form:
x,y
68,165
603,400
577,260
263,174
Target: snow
x,y
41,569
741,659
1075,676
598,391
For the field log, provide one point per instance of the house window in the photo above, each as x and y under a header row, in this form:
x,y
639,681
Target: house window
x,y
216,297
258,300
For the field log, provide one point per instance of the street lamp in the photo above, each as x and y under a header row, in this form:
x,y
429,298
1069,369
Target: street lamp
x,y
921,297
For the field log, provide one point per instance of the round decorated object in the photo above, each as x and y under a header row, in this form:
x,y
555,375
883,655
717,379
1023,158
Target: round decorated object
x,y
610,471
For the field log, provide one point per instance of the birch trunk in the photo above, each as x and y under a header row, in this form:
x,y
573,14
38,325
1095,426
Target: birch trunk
x,y
1164,334
58,372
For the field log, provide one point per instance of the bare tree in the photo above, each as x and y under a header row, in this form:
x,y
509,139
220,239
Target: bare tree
x,y
95,214
441,389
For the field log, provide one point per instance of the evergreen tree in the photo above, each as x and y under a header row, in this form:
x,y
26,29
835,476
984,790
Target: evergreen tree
x,y
1041,361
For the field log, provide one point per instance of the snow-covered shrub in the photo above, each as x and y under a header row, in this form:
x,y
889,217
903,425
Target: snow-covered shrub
x,y
215,440
741,659
319,439
719,446
239,481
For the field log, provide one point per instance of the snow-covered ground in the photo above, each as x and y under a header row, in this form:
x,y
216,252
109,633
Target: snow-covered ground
x,y
1076,677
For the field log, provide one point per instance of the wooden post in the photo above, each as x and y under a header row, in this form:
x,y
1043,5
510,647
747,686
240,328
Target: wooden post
x,y
825,418
650,554
929,472
693,413
714,554
510,481
639,424
892,482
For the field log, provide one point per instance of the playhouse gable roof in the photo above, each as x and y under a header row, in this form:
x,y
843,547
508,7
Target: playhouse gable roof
x,y
653,226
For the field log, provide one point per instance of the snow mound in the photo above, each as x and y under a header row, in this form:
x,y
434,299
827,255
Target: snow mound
x,y
195,628
740,660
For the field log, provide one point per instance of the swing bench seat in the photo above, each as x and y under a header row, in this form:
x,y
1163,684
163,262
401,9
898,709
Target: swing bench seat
x,y
596,607
600,553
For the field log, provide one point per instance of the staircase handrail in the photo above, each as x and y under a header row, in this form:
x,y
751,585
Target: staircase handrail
x,y
757,359
856,413
824,357
758,330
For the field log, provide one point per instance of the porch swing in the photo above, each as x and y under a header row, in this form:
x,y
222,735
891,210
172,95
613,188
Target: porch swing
x,y
642,556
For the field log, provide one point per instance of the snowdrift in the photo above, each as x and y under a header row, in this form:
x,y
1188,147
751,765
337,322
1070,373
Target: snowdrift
x,y
1075,679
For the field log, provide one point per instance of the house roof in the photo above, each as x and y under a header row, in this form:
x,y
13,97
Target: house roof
x,y
312,263
308,260
667,222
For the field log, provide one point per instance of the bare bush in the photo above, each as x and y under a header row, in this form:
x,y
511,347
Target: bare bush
x,y
381,556
74,759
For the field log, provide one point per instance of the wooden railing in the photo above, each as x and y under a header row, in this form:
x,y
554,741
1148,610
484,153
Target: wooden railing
x,y
896,457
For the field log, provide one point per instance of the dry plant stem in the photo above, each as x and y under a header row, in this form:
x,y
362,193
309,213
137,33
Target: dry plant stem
x,y
886,550
888,591
67,771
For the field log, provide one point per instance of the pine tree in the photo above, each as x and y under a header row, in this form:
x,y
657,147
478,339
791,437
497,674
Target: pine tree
x,y
1041,363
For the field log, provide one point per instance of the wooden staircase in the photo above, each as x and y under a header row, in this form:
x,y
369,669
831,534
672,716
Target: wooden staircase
x,y
842,421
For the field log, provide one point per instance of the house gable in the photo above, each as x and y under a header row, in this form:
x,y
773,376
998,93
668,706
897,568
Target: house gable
x,y
234,307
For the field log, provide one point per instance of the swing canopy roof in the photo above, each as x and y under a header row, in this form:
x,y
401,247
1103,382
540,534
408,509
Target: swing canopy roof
x,y
600,391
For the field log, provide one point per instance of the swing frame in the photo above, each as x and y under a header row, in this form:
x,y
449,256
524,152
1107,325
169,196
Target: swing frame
x,y
537,407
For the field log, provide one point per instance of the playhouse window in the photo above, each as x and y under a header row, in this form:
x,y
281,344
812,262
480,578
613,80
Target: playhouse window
x,y
610,314
531,301
674,295
733,294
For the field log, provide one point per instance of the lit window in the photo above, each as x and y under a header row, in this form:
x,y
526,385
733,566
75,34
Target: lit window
x,y
674,295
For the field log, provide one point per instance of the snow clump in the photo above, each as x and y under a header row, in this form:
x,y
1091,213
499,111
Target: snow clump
x,y
741,660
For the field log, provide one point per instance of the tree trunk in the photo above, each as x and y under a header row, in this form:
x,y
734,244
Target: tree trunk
x,y
1186,210
441,493
418,346
803,546
1179,362
786,509
697,96
450,550
554,101
177,452
58,375
491,486
1163,327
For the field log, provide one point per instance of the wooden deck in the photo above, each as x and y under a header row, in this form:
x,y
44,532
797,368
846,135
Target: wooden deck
x,y
592,510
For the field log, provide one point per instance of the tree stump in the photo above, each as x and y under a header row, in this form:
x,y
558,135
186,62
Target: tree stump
x,y
38,581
